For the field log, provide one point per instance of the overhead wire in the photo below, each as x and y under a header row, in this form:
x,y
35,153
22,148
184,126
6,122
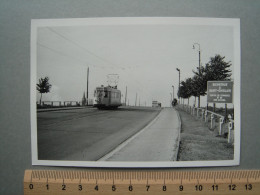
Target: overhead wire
x,y
85,49
61,53
143,89
139,85
101,58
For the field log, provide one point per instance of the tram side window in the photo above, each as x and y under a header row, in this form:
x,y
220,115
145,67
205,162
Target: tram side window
x,y
118,95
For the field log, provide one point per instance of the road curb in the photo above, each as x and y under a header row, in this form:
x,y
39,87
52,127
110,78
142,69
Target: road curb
x,y
179,136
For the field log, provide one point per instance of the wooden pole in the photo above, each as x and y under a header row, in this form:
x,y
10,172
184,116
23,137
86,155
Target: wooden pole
x,y
135,99
125,95
87,84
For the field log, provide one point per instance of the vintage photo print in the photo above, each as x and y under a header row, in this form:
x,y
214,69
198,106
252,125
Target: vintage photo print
x,y
135,92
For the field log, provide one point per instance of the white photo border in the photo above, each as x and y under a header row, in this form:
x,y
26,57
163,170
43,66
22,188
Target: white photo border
x,y
231,22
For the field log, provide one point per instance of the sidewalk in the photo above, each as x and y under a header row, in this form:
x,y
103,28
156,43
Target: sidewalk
x,y
60,108
200,143
159,141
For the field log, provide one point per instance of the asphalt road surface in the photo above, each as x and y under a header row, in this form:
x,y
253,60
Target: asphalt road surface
x,y
88,134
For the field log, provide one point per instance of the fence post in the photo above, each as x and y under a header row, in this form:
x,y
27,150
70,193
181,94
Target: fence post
x,y
206,118
212,118
221,121
230,126
202,114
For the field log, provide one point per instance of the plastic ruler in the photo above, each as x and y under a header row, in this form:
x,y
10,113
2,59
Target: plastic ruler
x,y
142,182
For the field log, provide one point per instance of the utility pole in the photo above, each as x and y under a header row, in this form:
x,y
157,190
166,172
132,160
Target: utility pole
x,y
125,94
200,78
199,71
135,99
87,84
179,83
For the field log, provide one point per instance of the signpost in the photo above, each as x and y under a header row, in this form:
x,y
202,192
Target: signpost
x,y
220,91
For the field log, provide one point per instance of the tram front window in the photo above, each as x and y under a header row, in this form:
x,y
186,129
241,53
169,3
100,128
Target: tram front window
x,y
105,94
98,93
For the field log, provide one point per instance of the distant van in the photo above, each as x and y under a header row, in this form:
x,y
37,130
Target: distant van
x,y
156,104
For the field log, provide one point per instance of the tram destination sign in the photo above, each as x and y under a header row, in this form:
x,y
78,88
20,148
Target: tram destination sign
x,y
220,91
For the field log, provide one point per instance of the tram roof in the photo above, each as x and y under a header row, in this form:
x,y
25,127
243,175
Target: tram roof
x,y
110,88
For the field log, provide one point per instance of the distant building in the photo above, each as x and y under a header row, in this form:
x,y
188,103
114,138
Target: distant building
x,y
156,104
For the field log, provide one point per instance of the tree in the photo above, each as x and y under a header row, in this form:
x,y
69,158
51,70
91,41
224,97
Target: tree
x,y
181,91
189,88
217,69
43,86
186,89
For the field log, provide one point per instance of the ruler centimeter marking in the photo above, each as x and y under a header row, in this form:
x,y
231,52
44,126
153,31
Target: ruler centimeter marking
x,y
142,182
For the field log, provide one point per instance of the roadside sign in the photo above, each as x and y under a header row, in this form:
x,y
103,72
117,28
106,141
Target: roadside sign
x,y
220,91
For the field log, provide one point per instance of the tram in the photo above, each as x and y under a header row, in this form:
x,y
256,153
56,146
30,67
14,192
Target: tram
x,y
107,97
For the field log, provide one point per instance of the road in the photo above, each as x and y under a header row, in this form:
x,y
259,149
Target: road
x,y
88,134
158,141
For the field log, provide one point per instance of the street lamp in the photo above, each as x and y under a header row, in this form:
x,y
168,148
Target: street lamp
x,y
171,99
199,68
172,92
179,83
194,47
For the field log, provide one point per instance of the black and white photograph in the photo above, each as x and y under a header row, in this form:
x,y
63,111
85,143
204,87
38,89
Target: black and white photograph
x,y
135,92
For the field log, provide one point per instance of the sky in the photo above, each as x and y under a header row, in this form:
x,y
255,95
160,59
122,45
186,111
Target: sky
x,y
145,57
